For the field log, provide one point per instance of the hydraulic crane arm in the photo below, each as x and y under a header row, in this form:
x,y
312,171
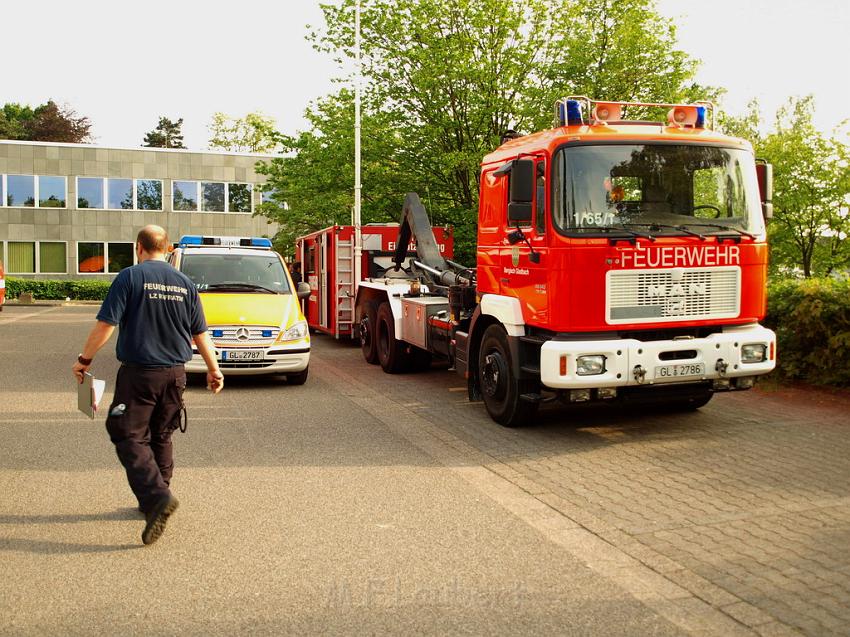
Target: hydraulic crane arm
x,y
415,225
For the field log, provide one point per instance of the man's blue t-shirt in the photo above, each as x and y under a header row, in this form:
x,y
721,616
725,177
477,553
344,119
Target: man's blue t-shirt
x,y
157,310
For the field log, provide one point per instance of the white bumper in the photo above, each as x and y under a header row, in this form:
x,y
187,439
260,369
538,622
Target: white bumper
x,y
278,362
624,356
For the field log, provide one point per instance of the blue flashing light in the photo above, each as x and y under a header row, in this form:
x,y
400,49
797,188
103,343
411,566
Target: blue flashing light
x,y
700,123
574,117
217,333
191,240
261,242
267,333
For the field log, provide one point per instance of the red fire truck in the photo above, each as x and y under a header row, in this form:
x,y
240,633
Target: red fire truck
x,y
617,260
326,258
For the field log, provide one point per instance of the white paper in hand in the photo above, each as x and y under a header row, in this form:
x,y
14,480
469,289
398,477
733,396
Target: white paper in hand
x,y
89,394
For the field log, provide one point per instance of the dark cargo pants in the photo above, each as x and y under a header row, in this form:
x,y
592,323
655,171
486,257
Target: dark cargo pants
x,y
144,413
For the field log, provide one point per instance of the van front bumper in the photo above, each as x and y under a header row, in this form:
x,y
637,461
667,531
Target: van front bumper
x,y
629,362
275,360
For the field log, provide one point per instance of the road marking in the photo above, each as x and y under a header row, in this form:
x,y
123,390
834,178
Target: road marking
x,y
4,321
671,601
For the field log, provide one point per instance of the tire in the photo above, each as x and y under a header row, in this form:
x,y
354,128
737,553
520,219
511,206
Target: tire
x,y
500,389
392,353
366,324
298,378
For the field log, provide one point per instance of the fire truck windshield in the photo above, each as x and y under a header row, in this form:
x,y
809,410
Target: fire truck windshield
x,y
261,272
679,187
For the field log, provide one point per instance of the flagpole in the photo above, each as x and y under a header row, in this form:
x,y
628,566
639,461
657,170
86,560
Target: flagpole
x,y
358,238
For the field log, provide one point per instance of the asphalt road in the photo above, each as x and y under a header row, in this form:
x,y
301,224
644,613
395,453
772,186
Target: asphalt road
x,y
366,503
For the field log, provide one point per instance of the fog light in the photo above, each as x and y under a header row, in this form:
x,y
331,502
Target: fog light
x,y
722,384
579,395
753,353
590,365
606,392
745,382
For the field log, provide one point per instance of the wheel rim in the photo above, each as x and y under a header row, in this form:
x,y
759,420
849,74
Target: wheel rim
x,y
494,374
365,333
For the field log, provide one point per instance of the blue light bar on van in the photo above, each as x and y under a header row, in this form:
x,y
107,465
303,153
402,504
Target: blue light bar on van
x,y
256,242
191,240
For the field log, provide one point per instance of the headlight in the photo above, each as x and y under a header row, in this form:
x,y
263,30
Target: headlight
x,y
299,330
753,353
590,365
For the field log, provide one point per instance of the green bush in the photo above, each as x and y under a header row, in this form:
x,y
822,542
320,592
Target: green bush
x,y
811,319
49,290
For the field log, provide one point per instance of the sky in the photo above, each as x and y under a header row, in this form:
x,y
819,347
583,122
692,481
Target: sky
x,y
123,64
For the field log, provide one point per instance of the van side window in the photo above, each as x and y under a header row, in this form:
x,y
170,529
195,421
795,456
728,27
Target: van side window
x,y
540,198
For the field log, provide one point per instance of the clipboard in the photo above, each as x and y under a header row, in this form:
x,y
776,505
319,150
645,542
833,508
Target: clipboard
x,y
89,394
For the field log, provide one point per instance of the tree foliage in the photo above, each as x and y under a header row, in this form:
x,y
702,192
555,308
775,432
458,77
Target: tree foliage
x,y
167,134
443,82
47,122
254,133
811,189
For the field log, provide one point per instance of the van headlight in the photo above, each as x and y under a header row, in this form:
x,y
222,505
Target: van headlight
x,y
753,353
590,365
297,331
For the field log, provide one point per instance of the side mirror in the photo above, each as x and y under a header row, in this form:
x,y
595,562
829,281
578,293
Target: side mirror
x,y
522,191
764,172
303,290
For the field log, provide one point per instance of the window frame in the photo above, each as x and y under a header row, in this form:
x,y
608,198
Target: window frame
x,y
105,245
38,255
199,191
102,191
4,253
106,195
197,195
35,190
136,208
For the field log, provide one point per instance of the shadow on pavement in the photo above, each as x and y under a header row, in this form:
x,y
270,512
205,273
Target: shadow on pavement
x,y
48,547
119,515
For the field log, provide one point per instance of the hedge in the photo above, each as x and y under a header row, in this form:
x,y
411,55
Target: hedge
x,y
48,290
811,319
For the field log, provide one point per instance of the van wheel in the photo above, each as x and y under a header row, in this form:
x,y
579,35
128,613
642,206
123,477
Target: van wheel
x,y
500,389
297,379
366,330
392,353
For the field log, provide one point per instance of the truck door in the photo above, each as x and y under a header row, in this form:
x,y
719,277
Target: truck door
x,y
520,277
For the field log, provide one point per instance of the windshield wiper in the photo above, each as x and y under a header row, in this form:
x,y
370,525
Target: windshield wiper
x,y
632,234
654,226
235,285
741,233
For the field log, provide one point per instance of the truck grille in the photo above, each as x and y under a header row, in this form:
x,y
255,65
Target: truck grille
x,y
676,294
243,335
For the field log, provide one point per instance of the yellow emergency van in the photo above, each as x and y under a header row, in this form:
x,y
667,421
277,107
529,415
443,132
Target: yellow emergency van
x,y
251,304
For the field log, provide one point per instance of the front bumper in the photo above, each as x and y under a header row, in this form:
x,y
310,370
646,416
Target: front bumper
x,y
629,362
276,360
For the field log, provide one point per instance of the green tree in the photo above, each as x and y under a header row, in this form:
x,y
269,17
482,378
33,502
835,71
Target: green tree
x,y
254,133
45,123
811,198
167,134
443,82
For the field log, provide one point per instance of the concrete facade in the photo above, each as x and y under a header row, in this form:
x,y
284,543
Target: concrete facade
x,y
72,224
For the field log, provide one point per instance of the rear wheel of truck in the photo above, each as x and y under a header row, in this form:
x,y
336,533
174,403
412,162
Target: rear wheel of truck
x,y
366,325
500,388
392,353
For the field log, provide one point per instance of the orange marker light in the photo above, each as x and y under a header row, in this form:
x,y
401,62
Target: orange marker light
x,y
772,350
563,369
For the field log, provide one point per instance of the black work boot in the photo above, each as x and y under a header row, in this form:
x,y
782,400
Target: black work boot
x,y
157,518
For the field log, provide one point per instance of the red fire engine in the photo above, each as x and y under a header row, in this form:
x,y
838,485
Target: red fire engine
x,y
326,258
617,260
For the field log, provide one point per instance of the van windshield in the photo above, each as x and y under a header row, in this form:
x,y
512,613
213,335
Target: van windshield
x,y
262,273
669,186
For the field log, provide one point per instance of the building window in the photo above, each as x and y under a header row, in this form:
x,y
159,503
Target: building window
x,y
119,194
21,257
121,256
52,257
240,197
90,192
212,197
2,190
185,195
148,194
51,192
21,190
90,258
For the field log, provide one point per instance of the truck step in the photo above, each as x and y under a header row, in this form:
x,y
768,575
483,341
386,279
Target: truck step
x,y
531,398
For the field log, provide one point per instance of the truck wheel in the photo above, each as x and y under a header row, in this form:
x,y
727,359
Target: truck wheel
x,y
298,378
366,329
500,389
392,353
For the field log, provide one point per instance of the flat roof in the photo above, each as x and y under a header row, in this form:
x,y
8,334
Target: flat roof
x,y
138,148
